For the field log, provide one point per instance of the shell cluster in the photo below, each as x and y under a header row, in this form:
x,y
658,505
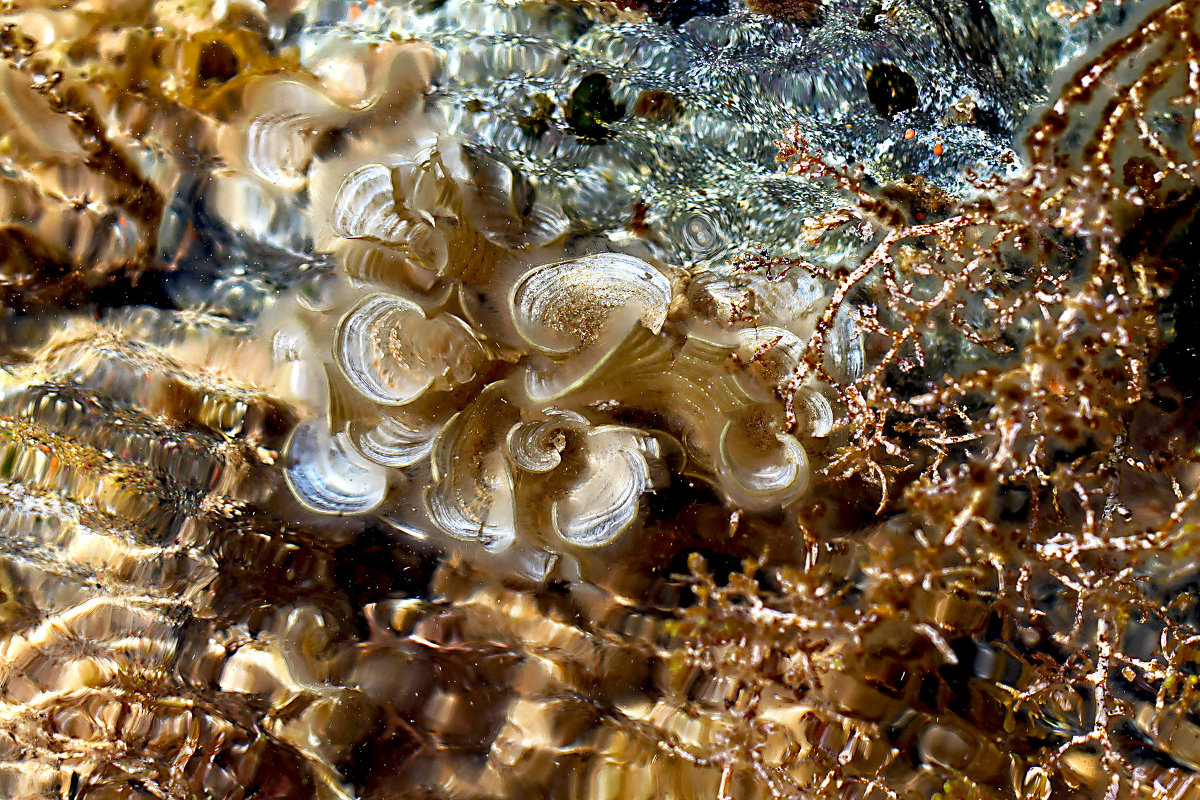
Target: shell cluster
x,y
468,380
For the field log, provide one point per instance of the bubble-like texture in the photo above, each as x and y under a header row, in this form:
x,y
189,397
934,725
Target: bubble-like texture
x,y
691,111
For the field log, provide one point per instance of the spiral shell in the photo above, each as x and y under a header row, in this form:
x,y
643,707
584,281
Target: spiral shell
x,y
365,206
394,441
538,446
602,503
761,469
471,497
284,117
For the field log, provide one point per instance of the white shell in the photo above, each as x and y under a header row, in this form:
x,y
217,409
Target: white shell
x,y
391,353
365,206
327,476
561,307
702,233
814,412
844,357
472,494
538,446
394,443
757,476
604,502
285,116
775,354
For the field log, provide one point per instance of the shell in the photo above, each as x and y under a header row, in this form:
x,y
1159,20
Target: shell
x,y
285,117
817,417
392,353
329,476
562,307
395,441
538,446
594,495
471,497
702,234
774,355
761,474
602,502
365,207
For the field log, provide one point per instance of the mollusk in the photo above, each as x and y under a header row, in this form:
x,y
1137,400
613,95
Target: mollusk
x,y
501,377
539,460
